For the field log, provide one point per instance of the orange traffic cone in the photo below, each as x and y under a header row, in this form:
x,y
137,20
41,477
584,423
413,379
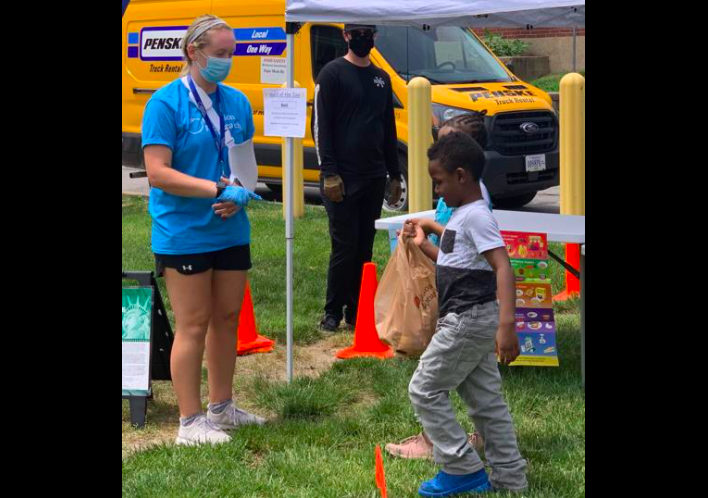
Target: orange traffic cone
x,y
366,339
381,473
572,283
249,342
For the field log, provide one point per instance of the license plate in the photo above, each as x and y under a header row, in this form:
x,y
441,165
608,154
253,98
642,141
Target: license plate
x,y
535,164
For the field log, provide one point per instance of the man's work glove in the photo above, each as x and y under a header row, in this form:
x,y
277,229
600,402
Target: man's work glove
x,y
334,188
395,192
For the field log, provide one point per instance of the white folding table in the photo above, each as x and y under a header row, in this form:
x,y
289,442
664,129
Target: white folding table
x,y
560,228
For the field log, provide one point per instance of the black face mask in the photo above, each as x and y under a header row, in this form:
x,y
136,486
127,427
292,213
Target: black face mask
x,y
362,45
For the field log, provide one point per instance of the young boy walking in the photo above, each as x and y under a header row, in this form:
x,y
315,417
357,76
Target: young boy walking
x,y
477,325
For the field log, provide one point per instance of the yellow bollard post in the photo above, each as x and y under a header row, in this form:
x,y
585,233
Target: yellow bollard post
x,y
420,138
572,167
573,145
299,179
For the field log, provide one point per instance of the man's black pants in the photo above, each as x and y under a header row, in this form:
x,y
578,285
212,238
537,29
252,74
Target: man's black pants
x,y
352,229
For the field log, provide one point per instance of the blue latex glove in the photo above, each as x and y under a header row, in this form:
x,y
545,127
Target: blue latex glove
x,y
239,196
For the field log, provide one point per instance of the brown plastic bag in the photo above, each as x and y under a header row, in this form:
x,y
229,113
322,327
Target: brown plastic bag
x,y
407,301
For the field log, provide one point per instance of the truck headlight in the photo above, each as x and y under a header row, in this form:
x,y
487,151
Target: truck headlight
x,y
442,114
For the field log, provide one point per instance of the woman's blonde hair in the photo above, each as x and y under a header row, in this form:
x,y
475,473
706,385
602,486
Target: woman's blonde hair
x,y
199,35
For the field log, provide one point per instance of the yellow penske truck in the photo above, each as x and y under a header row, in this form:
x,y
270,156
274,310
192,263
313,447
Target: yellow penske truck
x,y
523,129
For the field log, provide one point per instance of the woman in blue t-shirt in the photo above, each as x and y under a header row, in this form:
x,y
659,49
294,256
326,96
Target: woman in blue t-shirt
x,y
201,234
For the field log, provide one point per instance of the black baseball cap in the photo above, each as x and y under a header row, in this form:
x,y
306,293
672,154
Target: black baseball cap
x,y
360,27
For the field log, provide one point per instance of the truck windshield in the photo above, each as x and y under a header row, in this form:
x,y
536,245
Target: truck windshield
x,y
444,55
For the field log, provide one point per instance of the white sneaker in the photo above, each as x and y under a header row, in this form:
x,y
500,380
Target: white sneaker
x,y
232,418
202,431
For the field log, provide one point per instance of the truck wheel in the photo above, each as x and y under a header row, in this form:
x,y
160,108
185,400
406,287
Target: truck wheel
x,y
402,206
514,202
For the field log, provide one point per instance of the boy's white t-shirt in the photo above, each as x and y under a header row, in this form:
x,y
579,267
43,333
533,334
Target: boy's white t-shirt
x,y
465,277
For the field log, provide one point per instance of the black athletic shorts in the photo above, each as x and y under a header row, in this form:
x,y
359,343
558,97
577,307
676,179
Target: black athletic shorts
x,y
233,259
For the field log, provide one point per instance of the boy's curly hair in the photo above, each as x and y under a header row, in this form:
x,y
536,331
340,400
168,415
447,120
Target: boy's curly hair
x,y
459,150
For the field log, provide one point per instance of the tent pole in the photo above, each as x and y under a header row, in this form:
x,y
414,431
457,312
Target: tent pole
x,y
290,196
575,49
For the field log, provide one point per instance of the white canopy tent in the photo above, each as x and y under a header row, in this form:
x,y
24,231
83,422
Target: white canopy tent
x,y
385,12
561,17
414,12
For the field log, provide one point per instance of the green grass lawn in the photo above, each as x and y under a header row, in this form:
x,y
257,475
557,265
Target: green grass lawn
x,y
551,83
325,426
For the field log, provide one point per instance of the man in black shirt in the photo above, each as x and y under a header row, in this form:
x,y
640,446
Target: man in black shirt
x,y
357,145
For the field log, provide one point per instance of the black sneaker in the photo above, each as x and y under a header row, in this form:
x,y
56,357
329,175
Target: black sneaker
x,y
330,324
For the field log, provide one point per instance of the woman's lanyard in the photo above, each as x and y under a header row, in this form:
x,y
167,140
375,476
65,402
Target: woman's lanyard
x,y
219,140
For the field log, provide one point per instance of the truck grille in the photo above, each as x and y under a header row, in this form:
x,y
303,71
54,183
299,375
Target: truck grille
x,y
510,139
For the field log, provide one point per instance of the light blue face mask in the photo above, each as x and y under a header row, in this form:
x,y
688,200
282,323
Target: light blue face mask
x,y
217,69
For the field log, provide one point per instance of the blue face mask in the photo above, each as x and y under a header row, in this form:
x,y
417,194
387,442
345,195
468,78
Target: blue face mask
x,y
217,69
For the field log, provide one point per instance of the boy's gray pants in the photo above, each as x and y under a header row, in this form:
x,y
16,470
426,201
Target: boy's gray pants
x,y
462,357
